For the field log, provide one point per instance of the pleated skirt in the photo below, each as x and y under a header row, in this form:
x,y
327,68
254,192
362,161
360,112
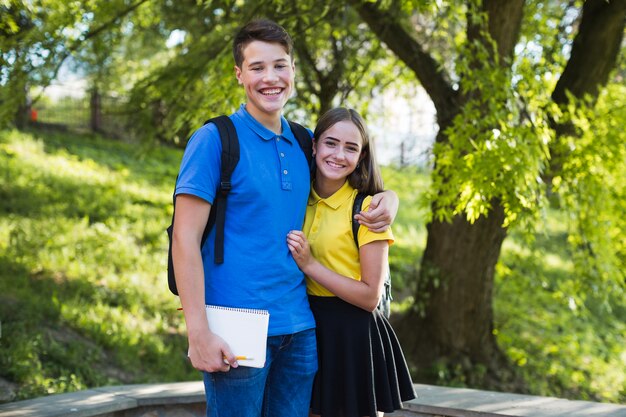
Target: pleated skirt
x,y
361,368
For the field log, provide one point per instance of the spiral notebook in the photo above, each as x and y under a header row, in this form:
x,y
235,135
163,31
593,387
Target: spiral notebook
x,y
245,331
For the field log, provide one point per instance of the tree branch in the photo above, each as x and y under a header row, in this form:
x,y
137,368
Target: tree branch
x,y
308,66
430,74
594,51
594,55
86,36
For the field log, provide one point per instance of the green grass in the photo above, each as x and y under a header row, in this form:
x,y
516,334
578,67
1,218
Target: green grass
x,y
566,341
83,295
84,302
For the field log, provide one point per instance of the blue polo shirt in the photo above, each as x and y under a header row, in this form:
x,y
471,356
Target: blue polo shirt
x,y
270,188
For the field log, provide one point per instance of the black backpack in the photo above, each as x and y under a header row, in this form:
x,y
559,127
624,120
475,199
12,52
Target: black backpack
x,y
229,160
384,305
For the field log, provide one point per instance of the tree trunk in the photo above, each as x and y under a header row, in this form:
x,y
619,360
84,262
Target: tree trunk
x,y
451,324
458,269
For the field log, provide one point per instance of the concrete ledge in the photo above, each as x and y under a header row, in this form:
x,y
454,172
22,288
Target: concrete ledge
x,y
187,399
160,394
107,401
464,402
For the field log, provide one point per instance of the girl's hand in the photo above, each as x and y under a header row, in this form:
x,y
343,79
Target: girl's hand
x,y
300,250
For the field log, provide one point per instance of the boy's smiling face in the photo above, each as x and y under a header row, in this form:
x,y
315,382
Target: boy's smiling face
x,y
267,75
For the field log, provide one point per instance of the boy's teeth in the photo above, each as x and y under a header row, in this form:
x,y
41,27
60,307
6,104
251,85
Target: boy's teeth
x,y
272,92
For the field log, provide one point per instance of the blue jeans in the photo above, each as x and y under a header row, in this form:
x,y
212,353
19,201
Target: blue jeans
x,y
281,389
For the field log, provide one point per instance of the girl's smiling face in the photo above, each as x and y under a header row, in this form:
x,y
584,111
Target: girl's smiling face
x,y
337,152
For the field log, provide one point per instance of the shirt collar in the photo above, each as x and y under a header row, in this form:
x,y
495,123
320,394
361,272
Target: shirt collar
x,y
261,130
335,200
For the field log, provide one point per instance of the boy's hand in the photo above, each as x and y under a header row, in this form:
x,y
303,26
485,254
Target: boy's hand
x,y
208,352
381,212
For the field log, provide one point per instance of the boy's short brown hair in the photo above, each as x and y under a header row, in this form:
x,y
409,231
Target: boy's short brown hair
x,y
260,30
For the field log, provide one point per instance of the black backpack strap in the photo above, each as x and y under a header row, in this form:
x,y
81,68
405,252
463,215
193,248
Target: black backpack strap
x,y
304,139
230,158
356,208
217,215
171,280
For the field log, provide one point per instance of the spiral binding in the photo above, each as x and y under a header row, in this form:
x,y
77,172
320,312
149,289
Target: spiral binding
x,y
241,310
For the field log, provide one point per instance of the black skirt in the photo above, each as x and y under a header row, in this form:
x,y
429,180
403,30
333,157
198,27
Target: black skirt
x,y
361,366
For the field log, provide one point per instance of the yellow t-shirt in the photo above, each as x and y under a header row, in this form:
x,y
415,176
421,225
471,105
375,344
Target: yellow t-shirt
x,y
328,227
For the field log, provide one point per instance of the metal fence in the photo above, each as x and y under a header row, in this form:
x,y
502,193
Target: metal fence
x,y
93,111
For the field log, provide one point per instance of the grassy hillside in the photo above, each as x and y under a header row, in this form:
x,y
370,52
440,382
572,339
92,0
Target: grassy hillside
x,y
84,302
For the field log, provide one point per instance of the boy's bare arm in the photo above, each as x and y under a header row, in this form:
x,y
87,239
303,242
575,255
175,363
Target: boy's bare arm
x,y
206,350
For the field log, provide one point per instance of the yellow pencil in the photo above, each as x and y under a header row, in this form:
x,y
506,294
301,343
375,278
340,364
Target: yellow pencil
x,y
241,358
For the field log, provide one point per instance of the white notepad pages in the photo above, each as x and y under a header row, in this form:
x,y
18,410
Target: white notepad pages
x,y
245,331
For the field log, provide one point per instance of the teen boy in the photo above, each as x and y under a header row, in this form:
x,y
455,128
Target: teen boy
x,y
270,187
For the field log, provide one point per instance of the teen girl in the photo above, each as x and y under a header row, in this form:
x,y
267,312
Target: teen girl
x,y
361,368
